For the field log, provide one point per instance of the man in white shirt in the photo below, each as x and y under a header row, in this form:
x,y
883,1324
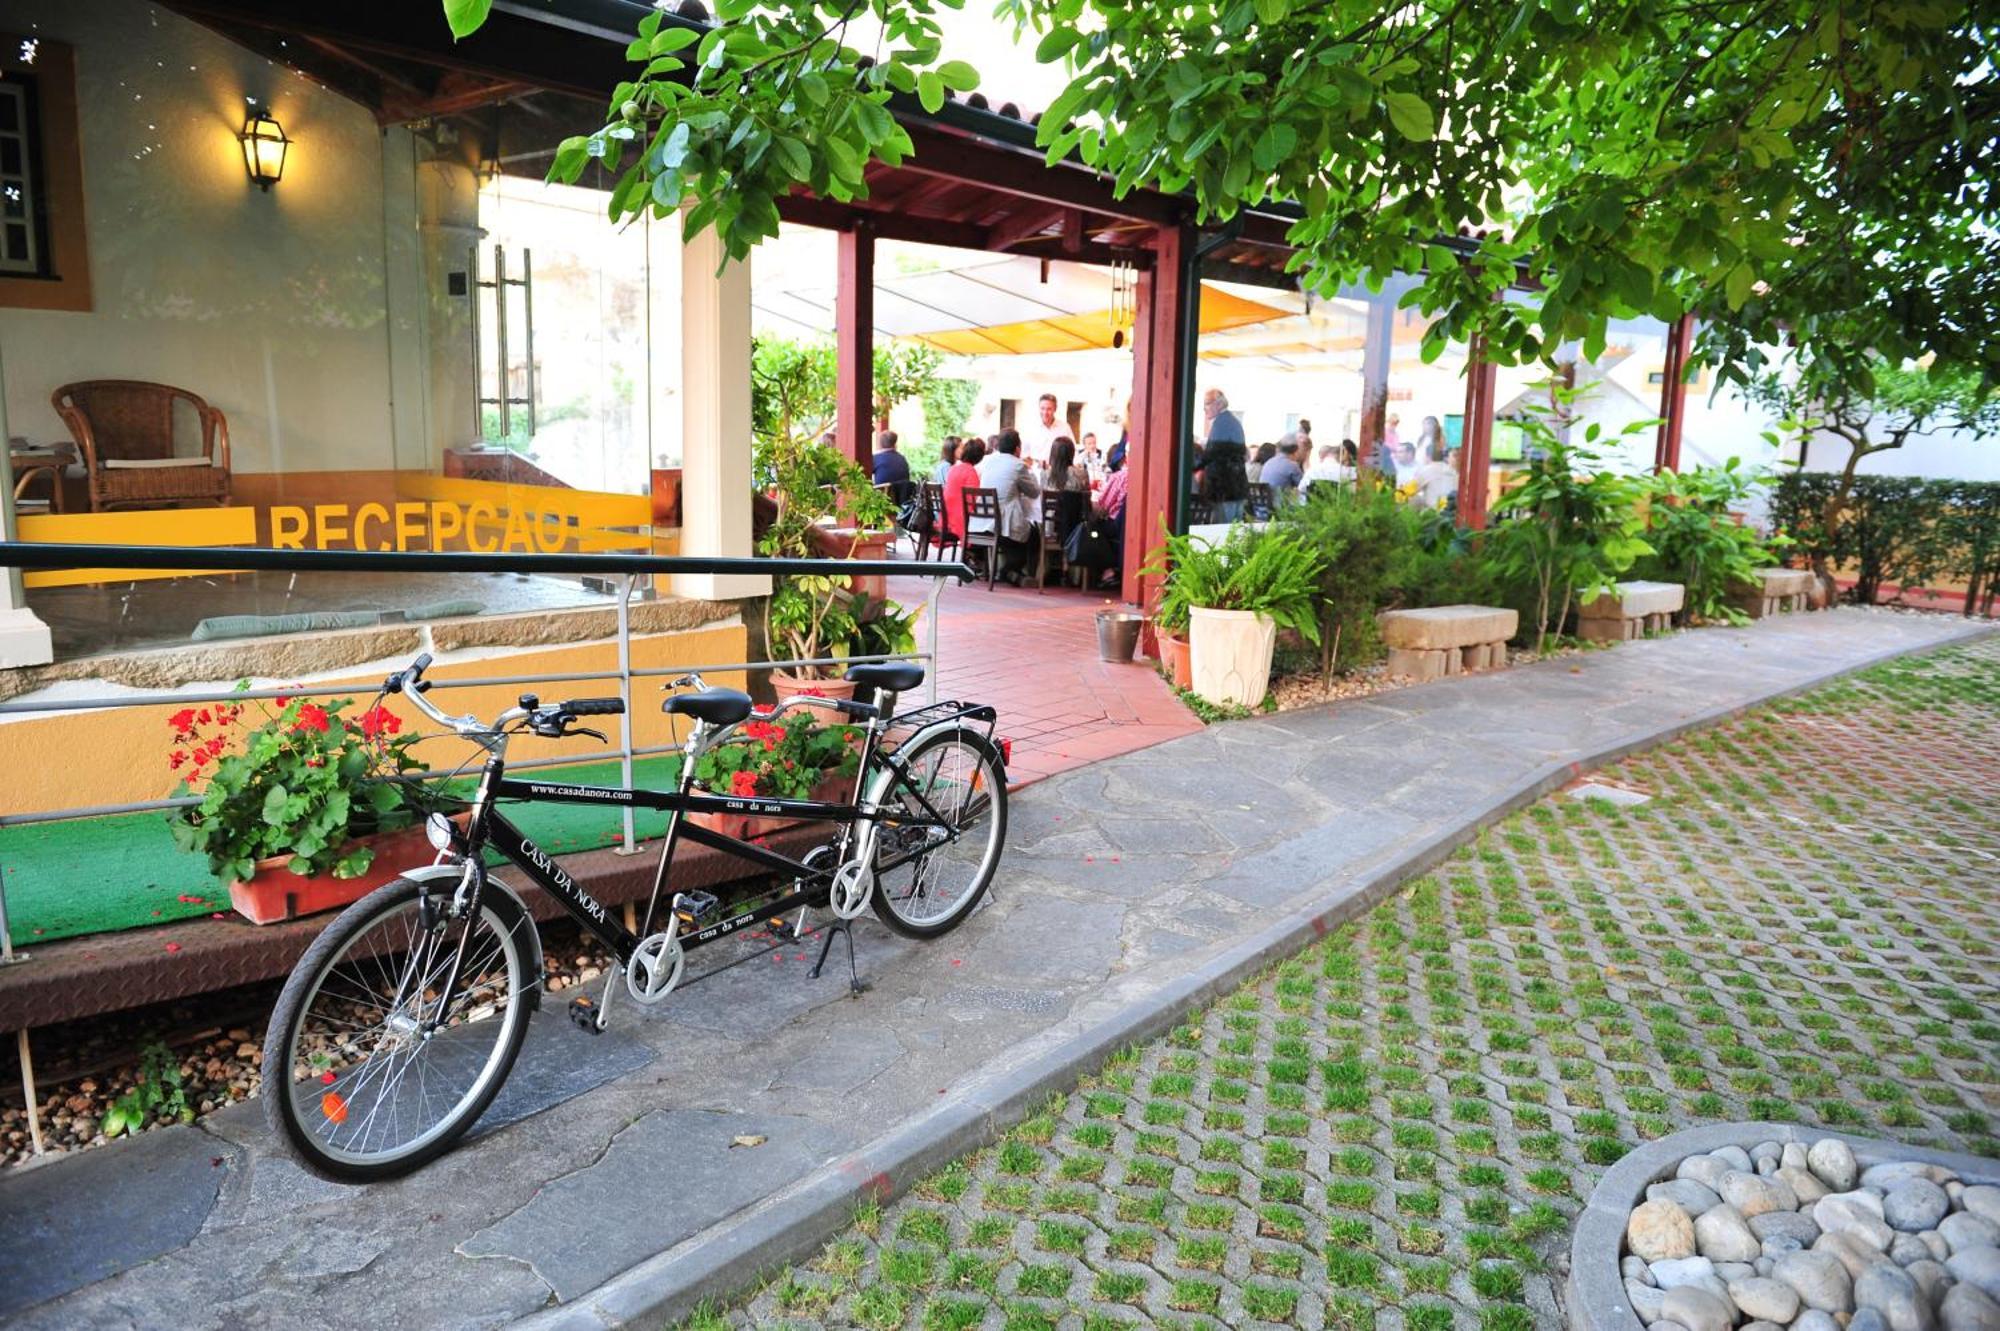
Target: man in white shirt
x,y
1039,434
1437,480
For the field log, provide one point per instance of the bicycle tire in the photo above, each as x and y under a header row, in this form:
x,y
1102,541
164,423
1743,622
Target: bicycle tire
x,y
991,780
504,919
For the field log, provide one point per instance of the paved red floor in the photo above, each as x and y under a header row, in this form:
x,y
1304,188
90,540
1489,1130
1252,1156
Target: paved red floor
x,y
1035,658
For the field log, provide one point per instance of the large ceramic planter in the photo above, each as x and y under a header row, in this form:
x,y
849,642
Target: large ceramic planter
x,y
1230,653
1174,656
274,894
792,686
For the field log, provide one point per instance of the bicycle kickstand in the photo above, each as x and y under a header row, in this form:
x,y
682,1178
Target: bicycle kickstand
x,y
840,927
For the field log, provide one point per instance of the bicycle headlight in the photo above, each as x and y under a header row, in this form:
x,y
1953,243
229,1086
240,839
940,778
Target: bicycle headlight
x,y
438,828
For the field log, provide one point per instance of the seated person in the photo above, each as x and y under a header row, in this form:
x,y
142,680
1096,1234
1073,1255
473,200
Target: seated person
x,y
1437,480
1282,472
892,469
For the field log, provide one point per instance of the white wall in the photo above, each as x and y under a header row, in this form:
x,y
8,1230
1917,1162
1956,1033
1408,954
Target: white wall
x,y
273,306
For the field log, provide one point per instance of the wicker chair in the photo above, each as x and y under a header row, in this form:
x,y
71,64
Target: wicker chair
x,y
126,431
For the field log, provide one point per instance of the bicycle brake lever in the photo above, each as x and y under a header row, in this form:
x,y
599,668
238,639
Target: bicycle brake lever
x,y
597,735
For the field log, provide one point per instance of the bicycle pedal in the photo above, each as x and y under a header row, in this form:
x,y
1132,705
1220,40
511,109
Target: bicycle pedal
x,y
694,907
584,1013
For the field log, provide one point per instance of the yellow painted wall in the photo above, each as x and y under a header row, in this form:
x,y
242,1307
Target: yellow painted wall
x,y
73,759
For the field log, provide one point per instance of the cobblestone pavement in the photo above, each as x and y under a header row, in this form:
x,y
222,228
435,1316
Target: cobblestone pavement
x,y
1394,1129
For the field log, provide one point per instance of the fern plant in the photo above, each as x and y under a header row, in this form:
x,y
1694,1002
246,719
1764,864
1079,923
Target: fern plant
x,y
1271,573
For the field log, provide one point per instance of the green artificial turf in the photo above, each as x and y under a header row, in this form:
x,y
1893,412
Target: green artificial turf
x,y
97,875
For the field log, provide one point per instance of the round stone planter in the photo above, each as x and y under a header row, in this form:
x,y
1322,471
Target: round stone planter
x,y
1596,1291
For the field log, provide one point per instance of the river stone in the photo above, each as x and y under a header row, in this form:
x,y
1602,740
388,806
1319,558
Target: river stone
x,y
1978,1265
1659,1232
1690,1196
1915,1205
1868,1319
1851,1252
1728,1271
1682,1271
1907,1248
1964,1308
1982,1201
1940,1250
1762,1266
1666,1326
1762,1149
1793,1156
1889,1290
1954,1190
1697,1310
1778,1245
1764,1299
1633,1267
1887,1176
1847,1213
1832,1162
1734,1156
1754,1195
1964,1230
1645,1300
1815,1320
1722,1235
1804,1183
1932,1279
1821,1281
1705,1170
1762,1326
1767,1165
1785,1224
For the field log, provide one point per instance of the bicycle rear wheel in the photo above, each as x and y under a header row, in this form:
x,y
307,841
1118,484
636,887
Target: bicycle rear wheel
x,y
927,880
370,1069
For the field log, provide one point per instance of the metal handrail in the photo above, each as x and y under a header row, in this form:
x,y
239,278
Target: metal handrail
x,y
48,555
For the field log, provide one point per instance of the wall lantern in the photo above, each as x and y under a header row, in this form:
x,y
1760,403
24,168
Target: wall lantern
x,y
264,147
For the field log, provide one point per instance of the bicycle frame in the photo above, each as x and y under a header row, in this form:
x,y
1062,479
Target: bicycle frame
x,y
489,827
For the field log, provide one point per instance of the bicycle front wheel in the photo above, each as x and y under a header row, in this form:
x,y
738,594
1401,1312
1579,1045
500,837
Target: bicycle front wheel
x,y
930,872
371,1068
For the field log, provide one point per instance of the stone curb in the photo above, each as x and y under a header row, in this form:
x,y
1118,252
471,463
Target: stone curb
x,y
1596,1291
732,1254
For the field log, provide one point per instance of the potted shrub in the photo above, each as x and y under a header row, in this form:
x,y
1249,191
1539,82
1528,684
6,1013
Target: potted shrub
x,y
301,811
1238,594
791,758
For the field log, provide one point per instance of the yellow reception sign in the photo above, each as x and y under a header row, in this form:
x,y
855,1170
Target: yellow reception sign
x,y
430,513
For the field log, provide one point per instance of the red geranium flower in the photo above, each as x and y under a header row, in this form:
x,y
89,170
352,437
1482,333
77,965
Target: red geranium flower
x,y
312,717
743,784
378,721
183,720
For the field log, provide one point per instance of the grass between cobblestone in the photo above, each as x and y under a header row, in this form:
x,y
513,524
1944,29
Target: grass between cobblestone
x,y
1395,1128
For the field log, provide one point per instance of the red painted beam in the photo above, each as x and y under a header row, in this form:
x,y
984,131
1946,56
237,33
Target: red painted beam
x,y
1156,454
977,162
854,334
1025,224
1475,454
1673,396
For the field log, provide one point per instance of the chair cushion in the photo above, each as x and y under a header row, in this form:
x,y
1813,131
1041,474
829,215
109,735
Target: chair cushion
x,y
893,676
718,707
148,463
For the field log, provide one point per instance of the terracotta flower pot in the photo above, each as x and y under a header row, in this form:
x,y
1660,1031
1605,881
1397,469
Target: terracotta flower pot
x,y
274,894
748,826
791,686
1175,655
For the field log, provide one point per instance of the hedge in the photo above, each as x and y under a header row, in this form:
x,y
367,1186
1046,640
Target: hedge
x,y
1899,530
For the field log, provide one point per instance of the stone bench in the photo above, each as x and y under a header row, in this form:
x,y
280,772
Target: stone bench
x,y
1773,590
1630,610
1446,639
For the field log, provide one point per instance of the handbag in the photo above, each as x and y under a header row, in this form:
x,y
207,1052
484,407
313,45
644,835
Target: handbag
x,y
915,516
1090,544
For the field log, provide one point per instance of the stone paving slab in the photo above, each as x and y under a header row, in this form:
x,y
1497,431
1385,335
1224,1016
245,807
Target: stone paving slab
x,y
1097,934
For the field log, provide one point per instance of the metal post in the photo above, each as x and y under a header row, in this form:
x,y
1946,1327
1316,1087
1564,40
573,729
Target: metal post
x,y
7,957
500,337
931,615
478,370
28,1091
630,845
528,323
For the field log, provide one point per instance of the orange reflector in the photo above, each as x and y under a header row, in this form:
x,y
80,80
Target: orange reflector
x,y
334,1106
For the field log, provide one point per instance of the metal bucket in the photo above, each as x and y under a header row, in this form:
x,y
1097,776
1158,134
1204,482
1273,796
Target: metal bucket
x,y
1118,635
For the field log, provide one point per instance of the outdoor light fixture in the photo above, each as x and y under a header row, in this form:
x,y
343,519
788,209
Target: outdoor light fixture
x,y
264,147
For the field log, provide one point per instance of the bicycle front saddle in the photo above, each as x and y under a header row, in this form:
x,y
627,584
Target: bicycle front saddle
x,y
716,707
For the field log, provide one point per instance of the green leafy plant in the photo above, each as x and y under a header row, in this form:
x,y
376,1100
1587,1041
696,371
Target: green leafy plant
x,y
781,759
1271,573
1694,525
158,1092
1567,527
307,781
882,627
1896,530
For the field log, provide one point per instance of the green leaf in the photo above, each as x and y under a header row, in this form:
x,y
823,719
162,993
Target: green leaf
x,y
1738,284
466,16
674,39
793,157
1272,11
958,76
1056,45
930,90
274,804
1411,115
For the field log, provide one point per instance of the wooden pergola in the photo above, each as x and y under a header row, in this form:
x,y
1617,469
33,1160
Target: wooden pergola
x,y
539,69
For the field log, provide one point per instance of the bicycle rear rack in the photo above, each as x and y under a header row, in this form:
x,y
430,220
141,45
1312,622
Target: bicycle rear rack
x,y
904,725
